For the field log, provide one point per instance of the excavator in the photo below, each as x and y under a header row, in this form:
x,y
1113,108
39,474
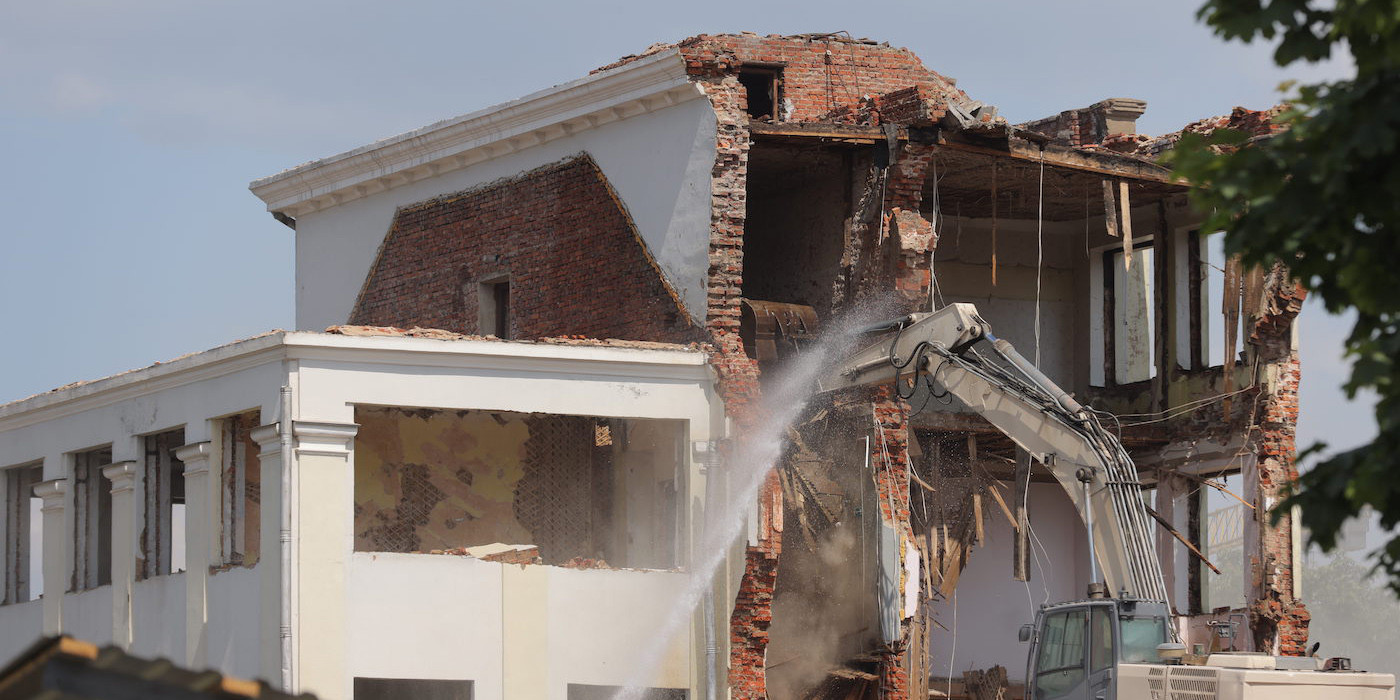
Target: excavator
x,y
1120,642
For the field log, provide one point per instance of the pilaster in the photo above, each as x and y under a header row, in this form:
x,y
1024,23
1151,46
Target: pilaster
x,y
56,540
200,523
323,509
269,439
122,476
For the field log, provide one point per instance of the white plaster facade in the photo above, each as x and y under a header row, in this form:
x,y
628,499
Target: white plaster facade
x,y
649,129
515,631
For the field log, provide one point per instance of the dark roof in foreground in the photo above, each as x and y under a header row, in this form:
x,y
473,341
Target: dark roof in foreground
x,y
63,668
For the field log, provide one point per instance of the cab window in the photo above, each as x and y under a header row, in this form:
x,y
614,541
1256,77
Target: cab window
x,y
1100,639
1060,661
1141,635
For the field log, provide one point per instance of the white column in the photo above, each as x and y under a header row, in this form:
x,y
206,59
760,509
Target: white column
x,y
123,478
323,506
200,523
269,566
56,539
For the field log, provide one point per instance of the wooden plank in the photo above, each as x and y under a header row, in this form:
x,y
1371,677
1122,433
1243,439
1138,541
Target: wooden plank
x,y
1230,308
1181,538
1021,546
995,168
1110,209
1125,205
1106,164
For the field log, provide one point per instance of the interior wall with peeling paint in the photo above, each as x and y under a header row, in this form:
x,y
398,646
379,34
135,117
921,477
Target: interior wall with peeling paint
x,y
574,487
963,271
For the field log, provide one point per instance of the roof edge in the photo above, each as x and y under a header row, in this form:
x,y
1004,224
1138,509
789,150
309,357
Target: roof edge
x,y
650,84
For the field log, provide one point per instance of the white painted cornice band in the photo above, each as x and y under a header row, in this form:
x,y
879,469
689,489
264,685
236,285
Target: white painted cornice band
x,y
645,85
329,439
122,475
195,456
51,492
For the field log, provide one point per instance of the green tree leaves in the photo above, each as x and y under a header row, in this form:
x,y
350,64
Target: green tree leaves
x,y
1323,197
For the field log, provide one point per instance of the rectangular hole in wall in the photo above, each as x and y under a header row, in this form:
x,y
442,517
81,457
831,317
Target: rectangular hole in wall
x,y
240,493
1224,542
1213,261
415,688
163,500
493,307
580,691
92,520
518,487
1133,313
23,547
762,91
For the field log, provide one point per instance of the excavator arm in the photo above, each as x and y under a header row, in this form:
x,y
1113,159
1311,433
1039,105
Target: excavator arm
x,y
942,350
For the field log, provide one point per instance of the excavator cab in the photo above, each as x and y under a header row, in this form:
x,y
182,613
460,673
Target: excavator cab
x,y
1076,647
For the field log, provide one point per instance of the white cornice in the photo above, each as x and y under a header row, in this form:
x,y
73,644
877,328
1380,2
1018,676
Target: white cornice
x,y
645,85
661,363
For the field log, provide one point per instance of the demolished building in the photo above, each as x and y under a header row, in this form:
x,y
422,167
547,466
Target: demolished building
x,y
680,223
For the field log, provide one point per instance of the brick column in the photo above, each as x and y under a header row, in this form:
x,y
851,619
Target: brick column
x,y
1278,619
889,458
123,478
54,493
200,524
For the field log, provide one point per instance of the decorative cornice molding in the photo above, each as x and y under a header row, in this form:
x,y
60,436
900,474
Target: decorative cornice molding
x,y
639,87
328,439
122,475
269,439
52,492
196,457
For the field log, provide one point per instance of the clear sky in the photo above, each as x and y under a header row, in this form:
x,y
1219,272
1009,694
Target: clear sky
x,y
130,131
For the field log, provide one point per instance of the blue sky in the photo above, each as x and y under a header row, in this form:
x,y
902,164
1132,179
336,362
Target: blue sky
x,y
130,131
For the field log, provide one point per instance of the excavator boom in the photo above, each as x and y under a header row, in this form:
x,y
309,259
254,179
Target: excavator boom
x,y
942,350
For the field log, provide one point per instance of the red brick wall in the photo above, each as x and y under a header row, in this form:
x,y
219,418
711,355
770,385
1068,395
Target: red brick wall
x,y
575,261
819,75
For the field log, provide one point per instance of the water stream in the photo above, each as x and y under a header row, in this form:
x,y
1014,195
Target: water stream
x,y
784,396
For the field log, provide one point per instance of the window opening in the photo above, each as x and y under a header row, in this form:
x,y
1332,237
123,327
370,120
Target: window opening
x,y
1213,331
580,691
1132,312
163,538
761,89
416,688
523,487
240,490
493,308
23,535
1224,545
92,520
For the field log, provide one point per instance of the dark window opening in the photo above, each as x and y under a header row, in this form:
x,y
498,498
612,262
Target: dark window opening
x,y
580,691
163,538
493,300
416,688
23,534
761,86
92,520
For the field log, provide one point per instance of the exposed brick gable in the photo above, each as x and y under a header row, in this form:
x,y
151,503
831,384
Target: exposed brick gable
x,y
575,262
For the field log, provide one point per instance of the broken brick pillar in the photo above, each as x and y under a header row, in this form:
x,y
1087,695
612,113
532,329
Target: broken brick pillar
x,y
738,374
1278,619
909,236
889,459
